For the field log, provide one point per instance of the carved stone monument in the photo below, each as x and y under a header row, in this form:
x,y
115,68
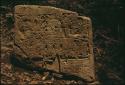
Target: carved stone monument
x,y
60,38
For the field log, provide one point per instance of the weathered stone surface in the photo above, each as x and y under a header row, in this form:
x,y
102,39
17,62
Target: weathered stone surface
x,y
59,37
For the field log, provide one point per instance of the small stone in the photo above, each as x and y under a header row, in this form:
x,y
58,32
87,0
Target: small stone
x,y
34,82
48,82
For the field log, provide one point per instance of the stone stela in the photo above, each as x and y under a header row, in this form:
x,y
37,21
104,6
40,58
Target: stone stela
x,y
52,34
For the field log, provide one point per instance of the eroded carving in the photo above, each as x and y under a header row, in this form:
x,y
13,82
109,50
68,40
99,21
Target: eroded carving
x,y
52,33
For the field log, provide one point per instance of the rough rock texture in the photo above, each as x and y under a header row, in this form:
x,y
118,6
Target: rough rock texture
x,y
57,36
47,46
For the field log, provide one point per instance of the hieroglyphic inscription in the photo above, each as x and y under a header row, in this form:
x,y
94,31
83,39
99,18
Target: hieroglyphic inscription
x,y
43,31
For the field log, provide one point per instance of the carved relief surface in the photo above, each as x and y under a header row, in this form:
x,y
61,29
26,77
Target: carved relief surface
x,y
48,32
